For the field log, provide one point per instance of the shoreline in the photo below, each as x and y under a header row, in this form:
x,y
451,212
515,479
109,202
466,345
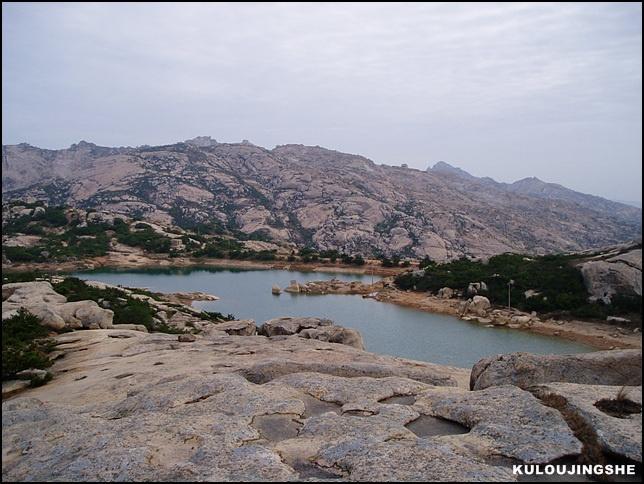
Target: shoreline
x,y
596,334
134,260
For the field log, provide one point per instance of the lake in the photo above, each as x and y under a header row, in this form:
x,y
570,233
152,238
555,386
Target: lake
x,y
386,328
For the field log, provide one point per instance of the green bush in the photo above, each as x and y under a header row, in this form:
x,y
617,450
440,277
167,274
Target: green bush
x,y
127,310
20,276
558,281
146,238
24,344
214,315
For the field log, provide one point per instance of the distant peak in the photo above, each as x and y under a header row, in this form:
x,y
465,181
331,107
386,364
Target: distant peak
x,y
444,167
532,179
202,141
82,144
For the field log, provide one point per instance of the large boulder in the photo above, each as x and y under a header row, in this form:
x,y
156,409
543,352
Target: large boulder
x,y
614,367
40,299
621,274
334,334
30,292
311,328
242,327
289,326
446,293
478,305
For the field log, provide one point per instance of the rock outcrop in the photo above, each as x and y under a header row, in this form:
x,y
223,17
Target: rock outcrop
x,y
446,293
504,420
616,367
615,272
478,306
288,325
40,299
126,405
334,334
241,327
312,328
618,435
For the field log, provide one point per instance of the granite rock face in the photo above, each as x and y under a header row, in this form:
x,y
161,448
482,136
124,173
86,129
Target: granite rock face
x,y
126,405
614,367
619,435
505,421
309,195
616,272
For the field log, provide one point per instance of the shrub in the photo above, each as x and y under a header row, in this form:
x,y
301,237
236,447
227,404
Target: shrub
x,y
24,344
214,315
146,238
558,281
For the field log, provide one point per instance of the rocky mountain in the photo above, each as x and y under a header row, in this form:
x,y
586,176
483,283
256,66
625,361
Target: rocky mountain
x,y
314,196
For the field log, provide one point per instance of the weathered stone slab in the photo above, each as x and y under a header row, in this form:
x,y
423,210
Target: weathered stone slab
x,y
618,435
614,367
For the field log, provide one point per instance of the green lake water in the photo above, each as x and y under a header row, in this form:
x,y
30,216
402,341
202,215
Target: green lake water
x,y
386,328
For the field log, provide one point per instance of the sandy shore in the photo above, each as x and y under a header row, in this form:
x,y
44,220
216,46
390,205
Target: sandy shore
x,y
596,334
138,260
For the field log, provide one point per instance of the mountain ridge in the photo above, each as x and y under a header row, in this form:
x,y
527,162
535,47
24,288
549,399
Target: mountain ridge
x,y
320,197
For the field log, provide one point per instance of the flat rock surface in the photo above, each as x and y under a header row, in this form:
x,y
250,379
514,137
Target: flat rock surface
x,y
504,421
127,405
621,436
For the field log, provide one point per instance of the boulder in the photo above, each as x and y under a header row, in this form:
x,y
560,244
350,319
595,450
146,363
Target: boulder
x,y
616,319
478,305
620,274
242,327
521,319
612,367
30,292
40,299
289,326
311,328
293,287
186,338
276,290
334,334
446,293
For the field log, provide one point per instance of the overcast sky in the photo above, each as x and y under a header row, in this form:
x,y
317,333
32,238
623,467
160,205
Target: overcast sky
x,y
507,91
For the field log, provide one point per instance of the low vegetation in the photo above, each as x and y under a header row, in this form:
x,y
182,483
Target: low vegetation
x,y
25,345
127,309
309,254
556,285
217,316
143,236
223,248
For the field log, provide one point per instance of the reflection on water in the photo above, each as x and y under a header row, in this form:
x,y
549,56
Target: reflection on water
x,y
385,328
